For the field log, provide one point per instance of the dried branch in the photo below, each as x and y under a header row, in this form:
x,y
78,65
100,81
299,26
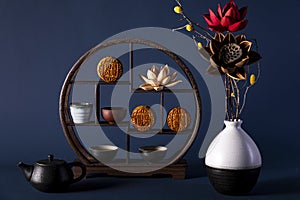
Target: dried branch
x,y
257,78
230,99
207,36
237,98
234,103
178,2
226,99
244,99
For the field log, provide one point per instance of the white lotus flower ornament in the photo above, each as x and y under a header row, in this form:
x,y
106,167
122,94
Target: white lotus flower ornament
x,y
158,79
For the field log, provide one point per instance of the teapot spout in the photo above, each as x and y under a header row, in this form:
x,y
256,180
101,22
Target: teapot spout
x,y
27,170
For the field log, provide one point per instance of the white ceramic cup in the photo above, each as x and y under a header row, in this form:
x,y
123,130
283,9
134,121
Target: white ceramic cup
x,y
81,112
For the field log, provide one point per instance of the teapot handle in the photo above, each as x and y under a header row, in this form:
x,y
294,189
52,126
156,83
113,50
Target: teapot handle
x,y
83,170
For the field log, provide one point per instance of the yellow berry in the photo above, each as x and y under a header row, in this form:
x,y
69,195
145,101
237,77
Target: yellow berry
x,y
252,79
189,27
200,45
177,9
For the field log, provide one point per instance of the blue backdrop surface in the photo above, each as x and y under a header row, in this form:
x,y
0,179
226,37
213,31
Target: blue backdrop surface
x,y
41,39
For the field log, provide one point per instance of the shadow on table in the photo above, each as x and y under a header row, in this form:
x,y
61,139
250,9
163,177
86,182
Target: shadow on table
x,y
196,168
92,184
283,185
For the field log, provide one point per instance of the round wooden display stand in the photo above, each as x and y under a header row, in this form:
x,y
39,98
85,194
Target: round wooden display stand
x,y
176,167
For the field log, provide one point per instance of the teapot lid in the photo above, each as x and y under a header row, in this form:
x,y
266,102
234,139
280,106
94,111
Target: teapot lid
x,y
51,161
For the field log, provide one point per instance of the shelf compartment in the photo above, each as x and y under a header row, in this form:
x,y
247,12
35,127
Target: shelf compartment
x,y
158,131
133,163
102,123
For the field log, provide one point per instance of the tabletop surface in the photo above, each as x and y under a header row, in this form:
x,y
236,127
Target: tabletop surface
x,y
279,183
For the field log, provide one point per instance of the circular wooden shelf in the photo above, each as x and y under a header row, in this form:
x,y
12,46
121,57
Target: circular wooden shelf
x,y
84,156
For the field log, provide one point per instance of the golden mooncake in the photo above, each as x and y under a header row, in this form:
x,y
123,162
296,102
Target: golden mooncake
x,y
142,118
178,119
109,69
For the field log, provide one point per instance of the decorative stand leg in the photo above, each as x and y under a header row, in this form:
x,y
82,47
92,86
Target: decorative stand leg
x,y
177,171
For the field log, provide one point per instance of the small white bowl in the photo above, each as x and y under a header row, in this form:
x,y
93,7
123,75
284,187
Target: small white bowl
x,y
104,153
153,154
81,112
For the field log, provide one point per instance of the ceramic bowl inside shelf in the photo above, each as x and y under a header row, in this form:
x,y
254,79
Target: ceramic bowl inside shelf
x,y
113,114
81,112
153,154
104,153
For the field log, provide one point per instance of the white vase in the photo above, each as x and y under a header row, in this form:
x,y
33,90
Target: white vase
x,y
81,112
233,160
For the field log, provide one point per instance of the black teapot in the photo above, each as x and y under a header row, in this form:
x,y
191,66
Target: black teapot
x,y
51,175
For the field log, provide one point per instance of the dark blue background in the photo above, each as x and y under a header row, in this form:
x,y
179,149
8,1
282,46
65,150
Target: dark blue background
x,y
41,39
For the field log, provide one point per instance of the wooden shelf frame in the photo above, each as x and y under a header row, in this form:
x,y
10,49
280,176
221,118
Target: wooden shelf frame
x,y
101,123
159,132
83,155
100,82
139,90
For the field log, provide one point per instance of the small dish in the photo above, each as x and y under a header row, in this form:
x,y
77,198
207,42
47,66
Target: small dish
x,y
153,154
113,114
104,153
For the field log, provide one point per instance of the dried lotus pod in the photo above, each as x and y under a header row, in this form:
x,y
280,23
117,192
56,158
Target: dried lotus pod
x,y
109,69
142,118
178,119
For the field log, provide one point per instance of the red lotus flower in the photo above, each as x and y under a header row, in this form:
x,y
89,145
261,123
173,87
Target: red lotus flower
x,y
230,18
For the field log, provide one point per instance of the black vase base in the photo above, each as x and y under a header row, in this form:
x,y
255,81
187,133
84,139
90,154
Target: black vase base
x,y
233,182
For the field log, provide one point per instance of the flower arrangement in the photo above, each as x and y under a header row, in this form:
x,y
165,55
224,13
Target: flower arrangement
x,y
230,55
158,79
